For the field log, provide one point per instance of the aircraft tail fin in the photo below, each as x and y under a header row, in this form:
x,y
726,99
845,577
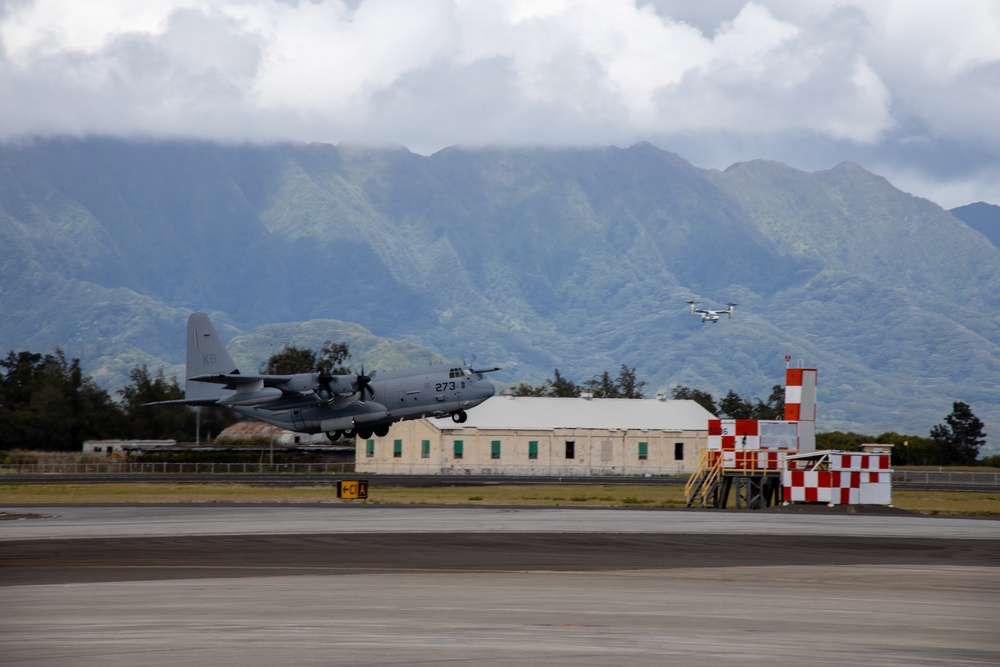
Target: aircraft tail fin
x,y
206,355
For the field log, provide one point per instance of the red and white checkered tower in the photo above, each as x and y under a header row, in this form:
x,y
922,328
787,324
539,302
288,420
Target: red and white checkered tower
x,y
800,404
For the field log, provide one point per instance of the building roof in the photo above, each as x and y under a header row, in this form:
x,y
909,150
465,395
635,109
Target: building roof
x,y
544,413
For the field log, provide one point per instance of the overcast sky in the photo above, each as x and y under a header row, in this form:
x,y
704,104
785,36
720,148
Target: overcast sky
x,y
909,89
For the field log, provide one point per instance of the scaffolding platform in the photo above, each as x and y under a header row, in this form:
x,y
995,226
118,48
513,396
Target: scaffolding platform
x,y
714,481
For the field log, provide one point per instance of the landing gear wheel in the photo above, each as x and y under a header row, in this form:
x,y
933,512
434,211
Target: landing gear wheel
x,y
459,417
382,430
364,433
334,436
349,433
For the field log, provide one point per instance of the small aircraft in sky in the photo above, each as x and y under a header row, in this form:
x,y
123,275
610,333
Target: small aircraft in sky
x,y
338,405
711,315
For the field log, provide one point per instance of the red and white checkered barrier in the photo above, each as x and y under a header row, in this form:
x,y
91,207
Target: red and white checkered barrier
x,y
737,434
838,478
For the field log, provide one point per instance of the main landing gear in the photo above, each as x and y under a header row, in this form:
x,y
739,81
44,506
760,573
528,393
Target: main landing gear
x,y
363,432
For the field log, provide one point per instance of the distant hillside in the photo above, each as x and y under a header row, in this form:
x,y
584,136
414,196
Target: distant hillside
x,y
983,217
533,259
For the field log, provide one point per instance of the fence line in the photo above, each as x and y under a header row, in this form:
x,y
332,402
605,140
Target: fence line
x,y
946,476
132,467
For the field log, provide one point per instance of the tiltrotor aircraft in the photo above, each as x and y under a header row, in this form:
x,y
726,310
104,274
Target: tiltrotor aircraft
x,y
711,315
339,405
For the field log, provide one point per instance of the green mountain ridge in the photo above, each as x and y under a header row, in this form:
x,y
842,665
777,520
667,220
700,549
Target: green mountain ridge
x,y
533,259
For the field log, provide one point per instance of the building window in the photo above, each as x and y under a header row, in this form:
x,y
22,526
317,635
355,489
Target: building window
x,y
570,449
370,448
425,449
458,449
678,451
397,449
643,450
532,449
495,449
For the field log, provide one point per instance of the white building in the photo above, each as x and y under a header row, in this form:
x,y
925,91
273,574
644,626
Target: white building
x,y
547,436
120,447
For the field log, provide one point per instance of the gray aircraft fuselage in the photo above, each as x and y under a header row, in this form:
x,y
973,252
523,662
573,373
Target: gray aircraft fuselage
x,y
434,391
338,405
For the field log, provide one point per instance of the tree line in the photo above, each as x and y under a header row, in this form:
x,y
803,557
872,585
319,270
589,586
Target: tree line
x,y
47,402
626,385
956,441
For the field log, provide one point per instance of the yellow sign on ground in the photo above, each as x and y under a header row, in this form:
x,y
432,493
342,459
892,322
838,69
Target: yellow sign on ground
x,y
351,489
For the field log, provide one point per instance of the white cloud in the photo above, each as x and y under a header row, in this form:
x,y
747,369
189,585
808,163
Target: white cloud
x,y
804,82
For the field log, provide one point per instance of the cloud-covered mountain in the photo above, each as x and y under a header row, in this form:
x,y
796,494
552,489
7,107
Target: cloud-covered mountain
x,y
581,260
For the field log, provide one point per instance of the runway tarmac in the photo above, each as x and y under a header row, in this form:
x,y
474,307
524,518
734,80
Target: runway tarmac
x,y
376,585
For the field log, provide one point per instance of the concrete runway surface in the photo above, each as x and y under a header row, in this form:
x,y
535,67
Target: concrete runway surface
x,y
375,585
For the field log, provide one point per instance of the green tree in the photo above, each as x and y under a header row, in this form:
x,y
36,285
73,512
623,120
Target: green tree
x,y
47,402
957,441
561,387
165,422
627,383
292,359
154,422
734,406
774,408
702,398
838,440
332,357
624,386
525,389
601,386
557,386
908,449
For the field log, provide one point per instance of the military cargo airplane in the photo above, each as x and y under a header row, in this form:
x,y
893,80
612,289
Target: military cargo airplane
x,y
339,405
711,315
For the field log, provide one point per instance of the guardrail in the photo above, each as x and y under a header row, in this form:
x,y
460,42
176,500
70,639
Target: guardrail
x,y
946,476
126,468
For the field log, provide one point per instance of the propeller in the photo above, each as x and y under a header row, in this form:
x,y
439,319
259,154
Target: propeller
x,y
324,389
363,382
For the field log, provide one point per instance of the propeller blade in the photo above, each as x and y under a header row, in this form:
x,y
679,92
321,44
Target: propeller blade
x,y
363,382
323,388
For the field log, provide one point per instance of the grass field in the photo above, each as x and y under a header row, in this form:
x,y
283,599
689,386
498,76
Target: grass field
x,y
952,503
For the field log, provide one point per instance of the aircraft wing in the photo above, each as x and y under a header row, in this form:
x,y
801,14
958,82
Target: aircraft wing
x,y
233,380
248,388
186,401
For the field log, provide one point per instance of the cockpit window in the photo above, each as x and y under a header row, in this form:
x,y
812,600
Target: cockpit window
x,y
455,373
